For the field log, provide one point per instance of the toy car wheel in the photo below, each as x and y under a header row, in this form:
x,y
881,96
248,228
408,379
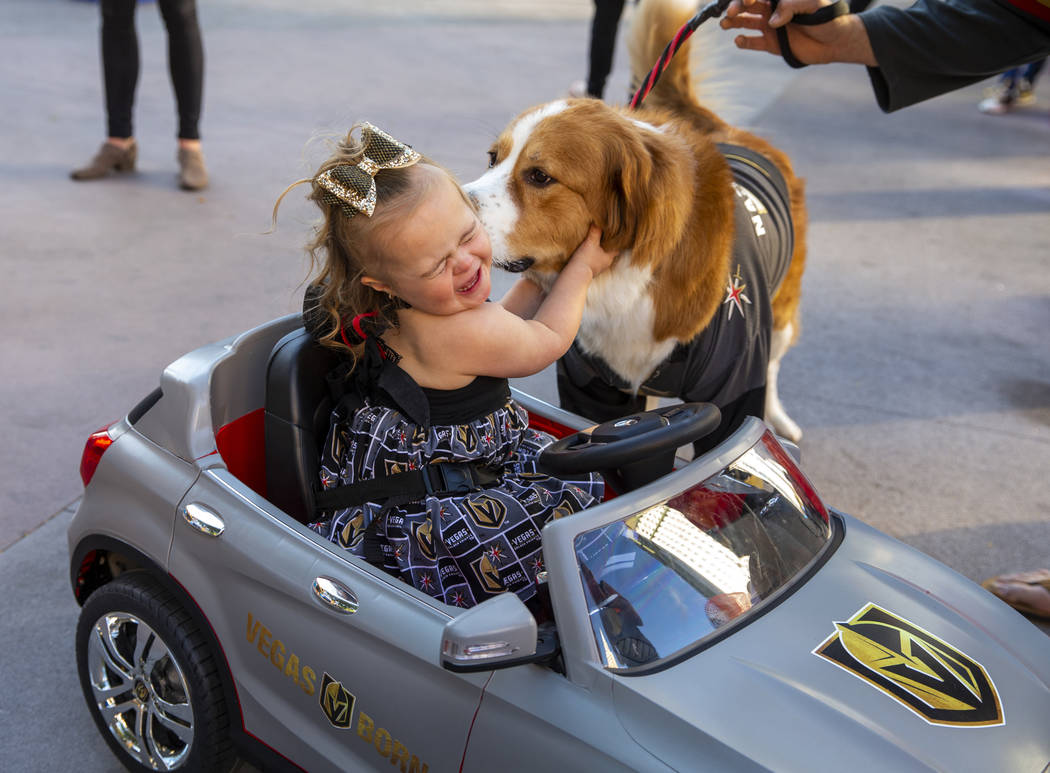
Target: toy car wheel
x,y
150,679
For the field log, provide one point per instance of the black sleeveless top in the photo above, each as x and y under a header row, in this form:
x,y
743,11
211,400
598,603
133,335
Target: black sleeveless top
x,y
460,549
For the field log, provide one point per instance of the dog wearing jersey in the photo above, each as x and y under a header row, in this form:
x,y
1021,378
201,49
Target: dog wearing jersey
x,y
703,301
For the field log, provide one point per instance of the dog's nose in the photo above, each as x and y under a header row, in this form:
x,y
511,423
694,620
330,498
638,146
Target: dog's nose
x,y
517,266
473,199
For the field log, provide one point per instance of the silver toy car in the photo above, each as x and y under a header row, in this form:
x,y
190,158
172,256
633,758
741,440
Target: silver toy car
x,y
713,617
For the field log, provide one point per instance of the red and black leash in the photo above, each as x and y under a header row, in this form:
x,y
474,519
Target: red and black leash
x,y
715,9
710,11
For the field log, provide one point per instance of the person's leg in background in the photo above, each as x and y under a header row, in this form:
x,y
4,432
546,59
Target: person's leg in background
x,y
120,72
1026,83
604,25
606,21
186,64
1000,98
1015,88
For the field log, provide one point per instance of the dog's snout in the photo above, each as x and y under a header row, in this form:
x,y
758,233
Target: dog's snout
x,y
473,198
517,266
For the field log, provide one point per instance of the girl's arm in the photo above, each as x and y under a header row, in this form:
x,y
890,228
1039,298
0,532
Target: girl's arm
x,y
491,341
523,299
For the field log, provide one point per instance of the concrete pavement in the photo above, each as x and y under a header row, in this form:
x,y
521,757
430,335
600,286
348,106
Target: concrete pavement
x,y
921,380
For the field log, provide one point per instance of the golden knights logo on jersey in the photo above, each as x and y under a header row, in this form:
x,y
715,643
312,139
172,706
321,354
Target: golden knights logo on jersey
x,y
560,511
336,703
353,531
338,441
467,437
487,574
423,532
926,674
485,511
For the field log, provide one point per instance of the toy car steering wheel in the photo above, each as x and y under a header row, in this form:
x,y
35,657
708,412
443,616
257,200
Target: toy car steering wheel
x,y
633,450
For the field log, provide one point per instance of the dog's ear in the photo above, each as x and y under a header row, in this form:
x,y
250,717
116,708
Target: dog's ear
x,y
646,194
623,198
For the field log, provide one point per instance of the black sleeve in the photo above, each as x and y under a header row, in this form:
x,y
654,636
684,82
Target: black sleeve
x,y
936,46
773,240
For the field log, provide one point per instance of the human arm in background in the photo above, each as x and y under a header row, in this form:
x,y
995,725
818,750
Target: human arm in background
x,y
912,54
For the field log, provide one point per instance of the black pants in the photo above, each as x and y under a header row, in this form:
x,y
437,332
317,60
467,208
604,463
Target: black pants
x,y
603,43
120,63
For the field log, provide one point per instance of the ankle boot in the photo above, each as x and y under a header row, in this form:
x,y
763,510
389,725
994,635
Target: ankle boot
x,y
193,175
110,158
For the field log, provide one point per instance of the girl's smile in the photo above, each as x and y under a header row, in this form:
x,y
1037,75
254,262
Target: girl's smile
x,y
474,282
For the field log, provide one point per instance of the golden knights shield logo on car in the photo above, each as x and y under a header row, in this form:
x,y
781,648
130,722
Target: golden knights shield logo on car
x,y
336,703
929,676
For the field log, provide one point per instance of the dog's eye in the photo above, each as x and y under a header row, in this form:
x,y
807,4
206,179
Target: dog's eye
x,y
538,177
492,158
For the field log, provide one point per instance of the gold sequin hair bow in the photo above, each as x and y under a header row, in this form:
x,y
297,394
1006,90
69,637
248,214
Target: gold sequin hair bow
x,y
353,186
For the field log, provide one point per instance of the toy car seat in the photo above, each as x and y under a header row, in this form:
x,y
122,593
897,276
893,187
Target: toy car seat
x,y
297,412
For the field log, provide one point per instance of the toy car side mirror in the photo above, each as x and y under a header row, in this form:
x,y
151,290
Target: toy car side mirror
x,y
497,633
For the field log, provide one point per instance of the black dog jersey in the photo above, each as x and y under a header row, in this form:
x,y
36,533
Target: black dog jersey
x,y
729,357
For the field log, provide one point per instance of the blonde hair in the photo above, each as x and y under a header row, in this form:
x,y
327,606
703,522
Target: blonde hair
x,y
344,248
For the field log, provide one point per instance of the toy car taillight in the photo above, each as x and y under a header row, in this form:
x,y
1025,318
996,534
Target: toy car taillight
x,y
97,443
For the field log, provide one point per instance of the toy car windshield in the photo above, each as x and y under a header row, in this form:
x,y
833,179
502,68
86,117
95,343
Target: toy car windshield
x,y
662,580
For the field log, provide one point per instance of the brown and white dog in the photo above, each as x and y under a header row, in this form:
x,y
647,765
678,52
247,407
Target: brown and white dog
x,y
661,183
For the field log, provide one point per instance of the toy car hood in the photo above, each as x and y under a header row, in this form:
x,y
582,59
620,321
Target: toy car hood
x,y
858,669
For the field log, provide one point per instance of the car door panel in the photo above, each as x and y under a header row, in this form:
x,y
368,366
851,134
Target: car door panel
x,y
328,690
533,718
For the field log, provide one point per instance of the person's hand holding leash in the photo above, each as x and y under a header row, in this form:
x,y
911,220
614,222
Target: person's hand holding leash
x,y
841,39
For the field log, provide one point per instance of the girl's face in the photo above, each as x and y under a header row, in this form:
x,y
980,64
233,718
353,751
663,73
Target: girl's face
x,y
438,258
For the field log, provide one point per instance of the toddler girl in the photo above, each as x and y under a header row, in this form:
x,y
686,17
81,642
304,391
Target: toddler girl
x,y
428,460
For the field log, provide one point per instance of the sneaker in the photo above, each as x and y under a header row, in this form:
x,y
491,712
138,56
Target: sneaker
x,y
110,158
1025,93
999,98
994,106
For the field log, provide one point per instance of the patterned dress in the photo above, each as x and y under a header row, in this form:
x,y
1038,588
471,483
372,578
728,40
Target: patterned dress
x,y
461,549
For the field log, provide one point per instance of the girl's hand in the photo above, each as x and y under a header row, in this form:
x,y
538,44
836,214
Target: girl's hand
x,y
591,254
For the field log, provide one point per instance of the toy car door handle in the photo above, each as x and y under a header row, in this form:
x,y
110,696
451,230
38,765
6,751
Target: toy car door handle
x,y
203,519
335,595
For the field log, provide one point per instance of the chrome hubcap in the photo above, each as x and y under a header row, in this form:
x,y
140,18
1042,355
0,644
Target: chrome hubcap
x,y
140,691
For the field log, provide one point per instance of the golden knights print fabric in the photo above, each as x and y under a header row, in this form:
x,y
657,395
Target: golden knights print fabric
x,y
459,549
